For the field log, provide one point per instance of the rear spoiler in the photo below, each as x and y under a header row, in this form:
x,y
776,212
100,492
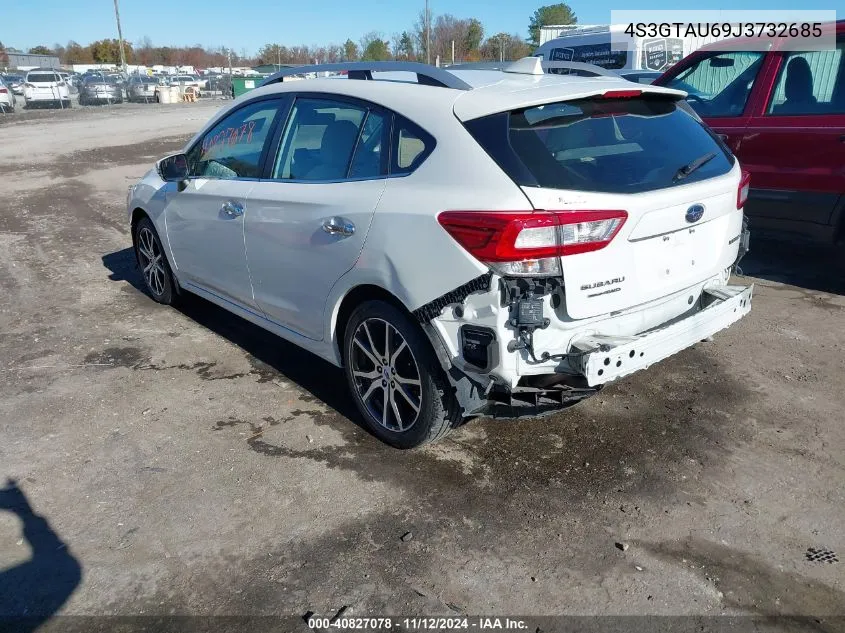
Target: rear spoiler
x,y
470,105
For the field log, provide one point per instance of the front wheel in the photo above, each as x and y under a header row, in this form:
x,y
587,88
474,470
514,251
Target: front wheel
x,y
153,263
398,385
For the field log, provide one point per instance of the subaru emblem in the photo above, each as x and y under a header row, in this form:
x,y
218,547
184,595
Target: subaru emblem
x,y
694,213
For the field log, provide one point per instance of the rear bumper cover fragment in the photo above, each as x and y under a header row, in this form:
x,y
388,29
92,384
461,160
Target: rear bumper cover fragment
x,y
426,313
531,402
723,306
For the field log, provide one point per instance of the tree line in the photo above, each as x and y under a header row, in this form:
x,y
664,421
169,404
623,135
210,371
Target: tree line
x,y
444,37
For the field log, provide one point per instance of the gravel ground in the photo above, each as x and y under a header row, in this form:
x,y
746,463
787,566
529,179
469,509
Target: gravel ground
x,y
191,463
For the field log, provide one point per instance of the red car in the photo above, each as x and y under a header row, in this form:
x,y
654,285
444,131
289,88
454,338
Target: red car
x,y
782,113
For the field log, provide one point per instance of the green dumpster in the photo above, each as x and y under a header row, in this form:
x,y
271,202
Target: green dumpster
x,y
242,85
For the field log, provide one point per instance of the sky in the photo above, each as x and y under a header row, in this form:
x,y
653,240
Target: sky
x,y
249,24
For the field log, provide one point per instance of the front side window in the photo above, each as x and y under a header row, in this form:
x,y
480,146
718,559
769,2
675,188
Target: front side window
x,y
328,140
233,148
811,82
719,85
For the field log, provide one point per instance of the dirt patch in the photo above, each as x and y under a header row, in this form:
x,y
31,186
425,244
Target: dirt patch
x,y
749,584
81,162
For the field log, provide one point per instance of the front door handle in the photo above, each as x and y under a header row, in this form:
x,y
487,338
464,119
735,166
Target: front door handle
x,y
232,209
338,226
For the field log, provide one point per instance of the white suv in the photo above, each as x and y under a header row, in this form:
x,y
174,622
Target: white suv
x,y
46,86
473,243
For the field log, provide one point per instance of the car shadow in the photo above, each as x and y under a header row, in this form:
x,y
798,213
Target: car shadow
x,y
32,592
806,266
321,379
803,266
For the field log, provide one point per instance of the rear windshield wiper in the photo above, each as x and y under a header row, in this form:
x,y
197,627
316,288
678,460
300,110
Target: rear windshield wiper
x,y
687,169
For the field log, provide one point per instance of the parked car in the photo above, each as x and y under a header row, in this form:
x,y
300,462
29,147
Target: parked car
x,y
216,82
7,97
141,88
483,242
46,87
100,88
185,80
14,82
783,114
68,79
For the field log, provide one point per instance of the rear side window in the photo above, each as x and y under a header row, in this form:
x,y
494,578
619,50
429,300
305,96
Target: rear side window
x,y
321,137
810,82
607,145
411,146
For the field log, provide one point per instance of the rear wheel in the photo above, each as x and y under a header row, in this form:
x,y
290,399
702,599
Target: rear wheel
x,y
153,263
396,381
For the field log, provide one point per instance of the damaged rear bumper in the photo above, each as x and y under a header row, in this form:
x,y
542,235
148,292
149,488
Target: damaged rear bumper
x,y
490,378
723,306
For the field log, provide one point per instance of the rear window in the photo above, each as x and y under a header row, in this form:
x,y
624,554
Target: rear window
x,y
99,79
627,145
41,78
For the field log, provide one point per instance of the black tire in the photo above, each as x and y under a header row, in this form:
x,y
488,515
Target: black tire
x,y
159,283
438,411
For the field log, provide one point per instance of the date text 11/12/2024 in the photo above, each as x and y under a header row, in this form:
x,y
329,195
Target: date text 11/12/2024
x,y
419,623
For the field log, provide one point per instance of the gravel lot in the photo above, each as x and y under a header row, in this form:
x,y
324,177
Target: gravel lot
x,y
193,464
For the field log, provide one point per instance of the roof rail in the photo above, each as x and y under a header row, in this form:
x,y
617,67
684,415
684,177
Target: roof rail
x,y
476,66
426,74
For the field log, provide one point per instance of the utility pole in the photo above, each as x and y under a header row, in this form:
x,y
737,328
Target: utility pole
x,y
120,37
427,34
453,51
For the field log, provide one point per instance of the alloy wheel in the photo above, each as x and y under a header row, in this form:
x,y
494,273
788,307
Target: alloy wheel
x,y
152,261
386,375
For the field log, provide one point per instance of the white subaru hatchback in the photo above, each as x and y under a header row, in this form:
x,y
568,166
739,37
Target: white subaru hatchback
x,y
463,243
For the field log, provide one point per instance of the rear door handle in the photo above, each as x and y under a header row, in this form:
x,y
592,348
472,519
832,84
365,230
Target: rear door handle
x,y
338,226
232,209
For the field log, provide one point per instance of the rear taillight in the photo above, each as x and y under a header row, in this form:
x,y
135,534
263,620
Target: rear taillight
x,y
525,243
742,192
3,91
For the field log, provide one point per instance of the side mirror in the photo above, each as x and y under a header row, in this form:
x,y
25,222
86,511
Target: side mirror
x,y
173,168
